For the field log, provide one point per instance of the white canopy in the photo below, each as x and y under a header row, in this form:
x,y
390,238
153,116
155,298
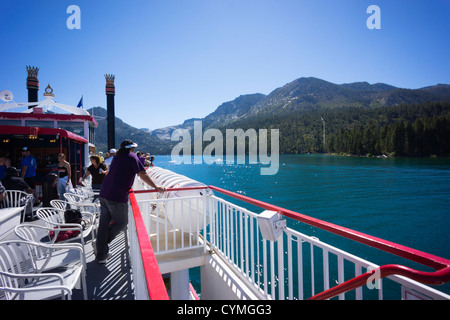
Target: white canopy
x,y
47,104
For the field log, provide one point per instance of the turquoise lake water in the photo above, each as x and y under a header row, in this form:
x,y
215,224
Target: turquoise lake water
x,y
403,200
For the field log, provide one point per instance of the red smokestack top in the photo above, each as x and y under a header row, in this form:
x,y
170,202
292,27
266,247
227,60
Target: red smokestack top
x,y
110,88
32,80
32,84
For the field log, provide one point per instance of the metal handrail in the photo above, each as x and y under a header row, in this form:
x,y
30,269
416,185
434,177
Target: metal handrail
x,y
432,278
170,189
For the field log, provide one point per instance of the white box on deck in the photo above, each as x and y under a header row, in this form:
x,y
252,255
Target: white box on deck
x,y
271,225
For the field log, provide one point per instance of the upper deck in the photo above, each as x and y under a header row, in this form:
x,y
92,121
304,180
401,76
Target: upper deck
x,y
47,128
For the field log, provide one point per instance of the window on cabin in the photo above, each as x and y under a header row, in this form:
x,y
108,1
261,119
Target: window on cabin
x,y
40,124
17,123
72,126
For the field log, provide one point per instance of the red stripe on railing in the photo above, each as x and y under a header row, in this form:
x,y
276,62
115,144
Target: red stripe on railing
x,y
194,293
155,283
432,278
424,258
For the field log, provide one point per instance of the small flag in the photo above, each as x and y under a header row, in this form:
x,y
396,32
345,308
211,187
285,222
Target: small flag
x,y
80,104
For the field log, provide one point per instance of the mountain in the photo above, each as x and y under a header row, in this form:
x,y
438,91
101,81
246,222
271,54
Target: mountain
x,y
365,86
229,112
225,114
165,133
146,141
307,94
296,109
311,93
360,118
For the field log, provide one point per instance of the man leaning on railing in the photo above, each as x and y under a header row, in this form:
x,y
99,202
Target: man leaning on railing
x,y
114,197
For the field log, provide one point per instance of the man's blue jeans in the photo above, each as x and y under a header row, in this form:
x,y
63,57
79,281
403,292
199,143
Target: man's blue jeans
x,y
113,219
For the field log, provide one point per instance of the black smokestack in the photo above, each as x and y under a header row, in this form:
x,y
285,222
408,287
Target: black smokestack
x,y
32,84
110,93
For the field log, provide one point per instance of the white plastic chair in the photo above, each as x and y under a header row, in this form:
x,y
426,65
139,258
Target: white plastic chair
x,y
87,183
86,192
76,197
59,204
16,199
63,205
54,220
39,234
92,208
84,204
23,276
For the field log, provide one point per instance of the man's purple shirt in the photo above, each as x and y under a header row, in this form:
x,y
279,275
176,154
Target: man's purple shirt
x,y
120,177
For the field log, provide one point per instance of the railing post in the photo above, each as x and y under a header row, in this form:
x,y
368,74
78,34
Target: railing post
x,y
326,276
280,250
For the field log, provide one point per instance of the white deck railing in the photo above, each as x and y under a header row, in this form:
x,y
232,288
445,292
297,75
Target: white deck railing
x,y
284,269
174,224
296,266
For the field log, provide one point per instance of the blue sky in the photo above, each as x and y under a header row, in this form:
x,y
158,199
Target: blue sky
x,y
178,59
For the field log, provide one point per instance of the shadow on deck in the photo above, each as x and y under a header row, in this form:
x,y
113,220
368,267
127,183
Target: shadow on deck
x,y
110,281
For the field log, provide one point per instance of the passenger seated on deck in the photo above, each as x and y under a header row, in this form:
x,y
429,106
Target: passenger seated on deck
x,y
12,181
5,162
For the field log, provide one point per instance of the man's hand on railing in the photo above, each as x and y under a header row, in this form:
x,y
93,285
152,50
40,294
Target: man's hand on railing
x,y
160,189
146,178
